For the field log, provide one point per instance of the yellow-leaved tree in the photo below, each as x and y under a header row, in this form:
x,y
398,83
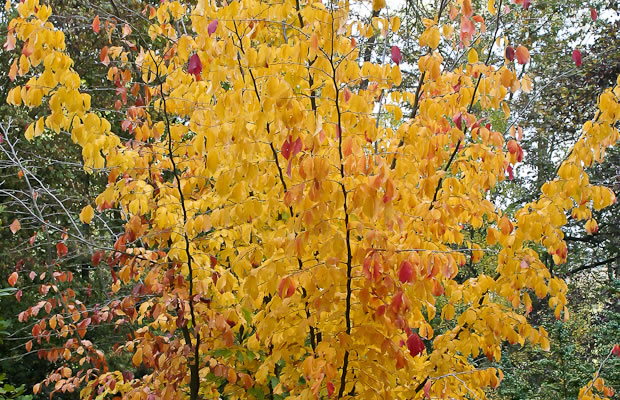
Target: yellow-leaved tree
x,y
283,237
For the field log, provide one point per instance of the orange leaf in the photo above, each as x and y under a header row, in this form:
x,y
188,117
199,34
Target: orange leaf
x,y
13,71
467,9
36,330
29,345
10,41
15,226
103,56
126,30
286,288
96,24
13,279
346,94
61,249
523,55
314,42
427,389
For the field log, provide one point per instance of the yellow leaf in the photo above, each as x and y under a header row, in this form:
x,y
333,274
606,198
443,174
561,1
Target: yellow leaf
x,y
29,132
137,357
395,75
491,7
472,56
430,37
87,214
395,22
526,84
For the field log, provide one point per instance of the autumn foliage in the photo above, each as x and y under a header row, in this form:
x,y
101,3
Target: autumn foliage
x,y
282,237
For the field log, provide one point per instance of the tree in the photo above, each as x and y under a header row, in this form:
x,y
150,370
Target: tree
x,y
550,117
44,187
283,239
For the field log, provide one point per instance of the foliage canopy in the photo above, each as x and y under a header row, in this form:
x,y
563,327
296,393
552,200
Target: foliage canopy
x,y
283,237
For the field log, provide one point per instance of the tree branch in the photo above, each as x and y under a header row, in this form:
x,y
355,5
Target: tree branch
x,y
591,266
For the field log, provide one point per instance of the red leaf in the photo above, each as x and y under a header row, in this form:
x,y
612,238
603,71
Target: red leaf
x,y
212,27
415,344
330,389
286,149
510,53
406,272
297,146
577,57
616,350
195,66
396,56
125,125
61,249
458,120
96,258
510,173
593,14
13,279
96,24
513,146
526,4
